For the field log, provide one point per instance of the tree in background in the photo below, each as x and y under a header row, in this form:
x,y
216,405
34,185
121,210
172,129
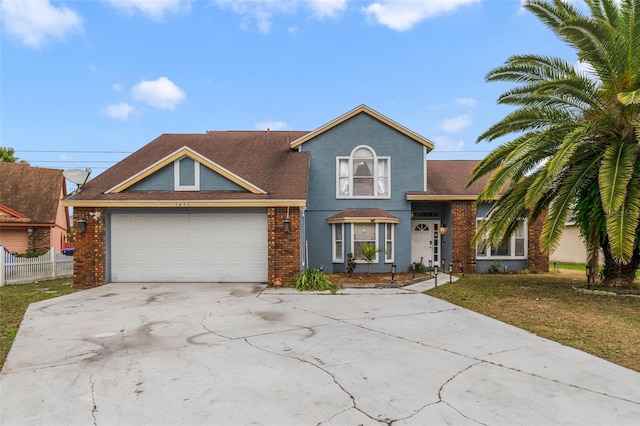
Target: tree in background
x,y
8,155
576,129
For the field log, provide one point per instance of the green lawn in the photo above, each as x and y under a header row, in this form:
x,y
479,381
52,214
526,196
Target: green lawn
x,y
14,300
558,307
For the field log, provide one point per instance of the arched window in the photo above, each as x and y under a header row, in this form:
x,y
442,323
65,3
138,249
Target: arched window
x,y
363,174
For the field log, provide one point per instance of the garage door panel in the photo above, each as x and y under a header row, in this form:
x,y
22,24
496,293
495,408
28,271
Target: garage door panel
x,y
189,247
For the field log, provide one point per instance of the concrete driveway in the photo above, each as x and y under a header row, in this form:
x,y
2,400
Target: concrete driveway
x,y
188,354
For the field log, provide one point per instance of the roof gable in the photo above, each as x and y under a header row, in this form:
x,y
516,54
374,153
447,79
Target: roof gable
x,y
260,168
185,151
366,110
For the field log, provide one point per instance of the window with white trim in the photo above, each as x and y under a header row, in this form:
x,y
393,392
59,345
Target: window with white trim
x,y
363,175
361,235
514,248
338,242
186,174
389,230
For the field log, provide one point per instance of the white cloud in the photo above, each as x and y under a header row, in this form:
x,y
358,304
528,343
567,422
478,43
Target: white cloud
x,y
271,125
444,143
161,93
327,8
260,13
455,124
152,9
117,87
466,101
121,111
33,22
402,15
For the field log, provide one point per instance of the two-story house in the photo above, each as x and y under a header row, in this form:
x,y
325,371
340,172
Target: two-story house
x,y
258,206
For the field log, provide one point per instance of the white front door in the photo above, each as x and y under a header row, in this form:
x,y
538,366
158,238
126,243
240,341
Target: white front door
x,y
425,238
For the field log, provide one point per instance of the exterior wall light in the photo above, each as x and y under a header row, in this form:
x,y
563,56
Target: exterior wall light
x,y
81,225
443,229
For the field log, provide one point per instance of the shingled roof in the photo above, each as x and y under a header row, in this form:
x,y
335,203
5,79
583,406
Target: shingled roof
x,y
447,180
262,158
30,195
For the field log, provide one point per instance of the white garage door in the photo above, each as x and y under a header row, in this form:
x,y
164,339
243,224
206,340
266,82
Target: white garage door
x,y
189,248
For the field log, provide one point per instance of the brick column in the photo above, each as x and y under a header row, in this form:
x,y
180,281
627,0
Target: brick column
x,y
463,229
538,259
89,256
40,238
284,248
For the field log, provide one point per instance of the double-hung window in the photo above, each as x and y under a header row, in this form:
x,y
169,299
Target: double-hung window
x,y
515,247
363,175
338,242
363,234
389,229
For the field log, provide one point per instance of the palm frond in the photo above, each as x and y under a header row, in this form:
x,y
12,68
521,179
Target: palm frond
x,y
622,224
527,119
574,182
628,98
615,172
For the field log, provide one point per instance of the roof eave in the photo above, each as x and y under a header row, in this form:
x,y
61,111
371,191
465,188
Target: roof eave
x,y
186,203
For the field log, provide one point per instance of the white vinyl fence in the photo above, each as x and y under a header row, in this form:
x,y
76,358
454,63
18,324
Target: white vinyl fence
x,y
20,270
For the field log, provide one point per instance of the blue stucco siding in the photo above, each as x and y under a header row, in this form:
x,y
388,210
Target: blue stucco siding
x,y
163,180
406,173
319,242
212,181
407,162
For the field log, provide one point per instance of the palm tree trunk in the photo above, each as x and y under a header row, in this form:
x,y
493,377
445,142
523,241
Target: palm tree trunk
x,y
617,274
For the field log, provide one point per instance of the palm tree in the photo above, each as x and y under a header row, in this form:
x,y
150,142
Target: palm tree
x,y
576,145
8,155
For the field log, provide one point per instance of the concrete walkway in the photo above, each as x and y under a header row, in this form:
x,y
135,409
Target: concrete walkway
x,y
237,354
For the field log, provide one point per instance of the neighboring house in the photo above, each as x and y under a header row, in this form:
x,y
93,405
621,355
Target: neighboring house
x,y
571,247
31,213
258,206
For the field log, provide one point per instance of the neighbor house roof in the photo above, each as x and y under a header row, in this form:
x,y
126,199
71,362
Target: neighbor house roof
x,y
363,109
447,180
261,162
29,196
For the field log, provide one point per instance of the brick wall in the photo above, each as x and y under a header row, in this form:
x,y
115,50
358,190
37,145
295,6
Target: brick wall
x,y
284,248
40,238
537,258
89,256
463,228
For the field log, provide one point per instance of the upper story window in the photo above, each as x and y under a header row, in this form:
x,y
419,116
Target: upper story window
x,y
363,175
186,174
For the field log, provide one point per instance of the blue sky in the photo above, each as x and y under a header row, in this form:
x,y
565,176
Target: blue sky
x,y
85,82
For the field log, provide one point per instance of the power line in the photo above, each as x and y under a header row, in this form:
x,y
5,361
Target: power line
x,y
74,152
71,161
